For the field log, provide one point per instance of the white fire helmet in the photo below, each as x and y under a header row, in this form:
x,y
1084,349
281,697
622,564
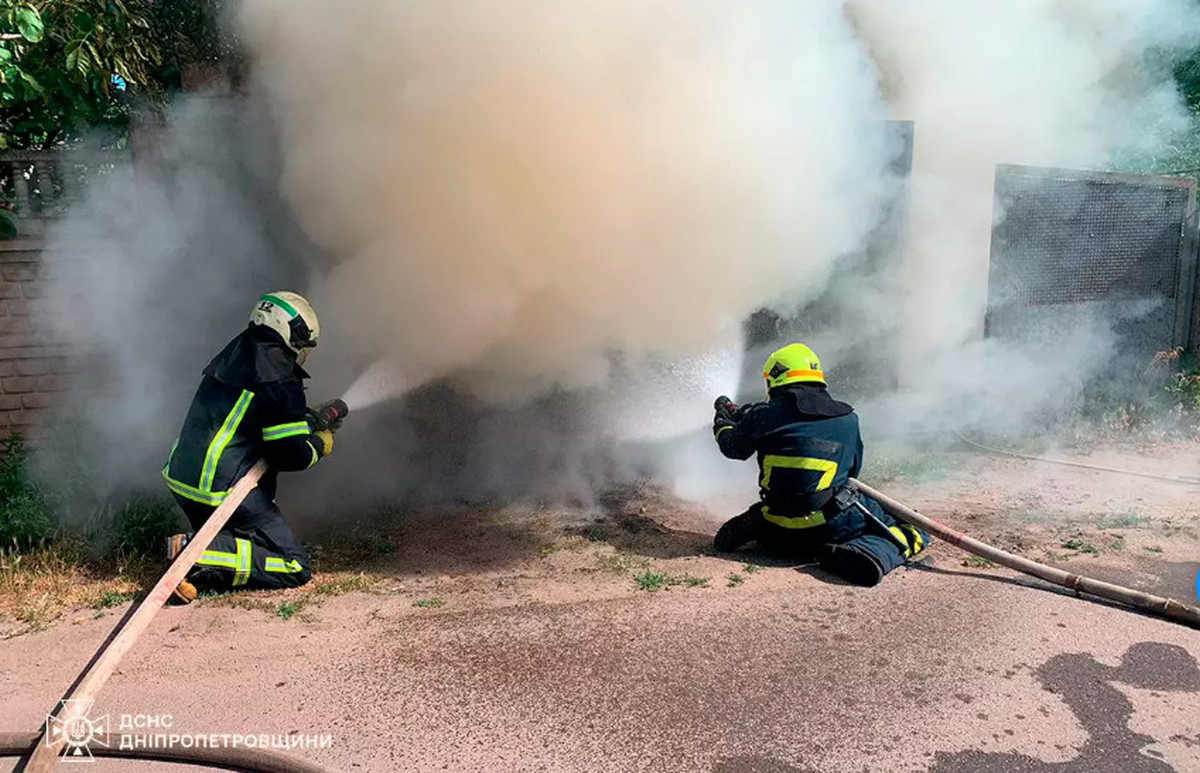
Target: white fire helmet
x,y
290,315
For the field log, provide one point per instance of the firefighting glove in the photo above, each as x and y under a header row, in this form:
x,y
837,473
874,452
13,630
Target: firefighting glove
x,y
723,419
724,407
323,442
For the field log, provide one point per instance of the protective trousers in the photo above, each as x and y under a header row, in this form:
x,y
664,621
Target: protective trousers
x,y
256,549
848,544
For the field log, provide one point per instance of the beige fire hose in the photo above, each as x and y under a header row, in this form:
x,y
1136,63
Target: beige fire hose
x,y
102,665
1165,607
246,760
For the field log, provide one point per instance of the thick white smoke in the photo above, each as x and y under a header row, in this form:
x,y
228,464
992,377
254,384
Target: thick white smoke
x,y
548,220
517,190
1059,83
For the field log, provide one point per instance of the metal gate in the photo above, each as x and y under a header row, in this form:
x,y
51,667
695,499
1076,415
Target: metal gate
x,y
1076,247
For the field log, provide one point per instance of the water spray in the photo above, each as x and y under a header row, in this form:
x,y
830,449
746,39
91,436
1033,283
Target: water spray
x,y
381,381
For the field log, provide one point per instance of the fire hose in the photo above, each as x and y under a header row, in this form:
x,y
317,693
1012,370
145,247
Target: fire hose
x,y
1164,607
247,760
42,756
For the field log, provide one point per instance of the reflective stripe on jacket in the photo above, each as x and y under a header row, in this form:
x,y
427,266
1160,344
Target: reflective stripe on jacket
x,y
802,458
235,419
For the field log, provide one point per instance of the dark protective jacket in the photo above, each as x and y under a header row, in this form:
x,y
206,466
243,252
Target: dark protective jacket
x,y
250,405
807,445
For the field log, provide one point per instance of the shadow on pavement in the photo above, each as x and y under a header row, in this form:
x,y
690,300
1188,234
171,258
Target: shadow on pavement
x,y
1086,686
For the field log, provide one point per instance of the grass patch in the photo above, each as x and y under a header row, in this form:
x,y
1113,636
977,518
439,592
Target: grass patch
x,y
751,568
978,562
37,612
915,467
341,584
653,581
110,599
1122,521
1153,548
622,563
239,600
38,585
1081,546
289,609
26,513
595,534
430,603
571,543
650,581
733,580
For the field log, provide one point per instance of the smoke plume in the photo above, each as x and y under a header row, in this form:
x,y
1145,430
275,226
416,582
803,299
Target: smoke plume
x,y
545,223
517,190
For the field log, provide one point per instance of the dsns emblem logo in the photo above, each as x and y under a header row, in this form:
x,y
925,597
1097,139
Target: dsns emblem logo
x,y
75,731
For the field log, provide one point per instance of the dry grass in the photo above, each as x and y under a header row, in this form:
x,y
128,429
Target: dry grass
x,y
39,586
289,603
572,543
341,583
622,563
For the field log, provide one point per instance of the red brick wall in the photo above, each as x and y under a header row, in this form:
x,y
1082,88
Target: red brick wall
x,y
33,364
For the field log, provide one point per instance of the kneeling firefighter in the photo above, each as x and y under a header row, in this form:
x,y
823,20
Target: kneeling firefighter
x,y
808,445
250,406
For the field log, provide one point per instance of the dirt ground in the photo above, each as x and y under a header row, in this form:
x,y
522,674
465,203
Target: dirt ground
x,y
507,640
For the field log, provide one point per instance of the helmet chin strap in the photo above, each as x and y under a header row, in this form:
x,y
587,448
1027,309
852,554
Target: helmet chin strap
x,y
302,356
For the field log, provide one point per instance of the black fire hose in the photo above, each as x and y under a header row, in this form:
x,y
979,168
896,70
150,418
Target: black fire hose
x,y
1164,607
221,758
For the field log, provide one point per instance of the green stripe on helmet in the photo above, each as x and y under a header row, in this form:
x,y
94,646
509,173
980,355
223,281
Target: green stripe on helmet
x,y
281,303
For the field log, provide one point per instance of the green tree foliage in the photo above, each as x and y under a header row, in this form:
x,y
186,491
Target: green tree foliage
x,y
58,60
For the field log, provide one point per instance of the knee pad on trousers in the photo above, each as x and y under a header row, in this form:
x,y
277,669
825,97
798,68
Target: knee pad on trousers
x,y
864,560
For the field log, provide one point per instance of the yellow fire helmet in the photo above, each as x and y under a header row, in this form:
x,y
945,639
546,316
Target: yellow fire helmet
x,y
793,364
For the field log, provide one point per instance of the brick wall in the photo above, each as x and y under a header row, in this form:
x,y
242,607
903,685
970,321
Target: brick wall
x,y
34,365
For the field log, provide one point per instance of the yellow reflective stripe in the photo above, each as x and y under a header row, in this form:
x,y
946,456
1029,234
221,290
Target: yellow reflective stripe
x,y
281,431
315,455
196,495
827,468
911,536
217,558
242,575
722,429
223,436
791,374
291,566
815,518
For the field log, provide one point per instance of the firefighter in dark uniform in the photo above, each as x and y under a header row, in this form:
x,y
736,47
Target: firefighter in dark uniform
x,y
808,445
250,406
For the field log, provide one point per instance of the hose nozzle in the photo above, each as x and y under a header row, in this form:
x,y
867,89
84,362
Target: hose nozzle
x,y
329,415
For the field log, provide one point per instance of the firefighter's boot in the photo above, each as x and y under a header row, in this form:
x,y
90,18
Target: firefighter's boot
x,y
738,531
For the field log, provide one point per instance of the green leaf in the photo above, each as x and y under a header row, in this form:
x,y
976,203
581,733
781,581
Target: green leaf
x,y
32,82
84,23
5,55
92,50
29,23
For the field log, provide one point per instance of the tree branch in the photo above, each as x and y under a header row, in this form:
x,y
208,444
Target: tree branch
x,y
11,36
